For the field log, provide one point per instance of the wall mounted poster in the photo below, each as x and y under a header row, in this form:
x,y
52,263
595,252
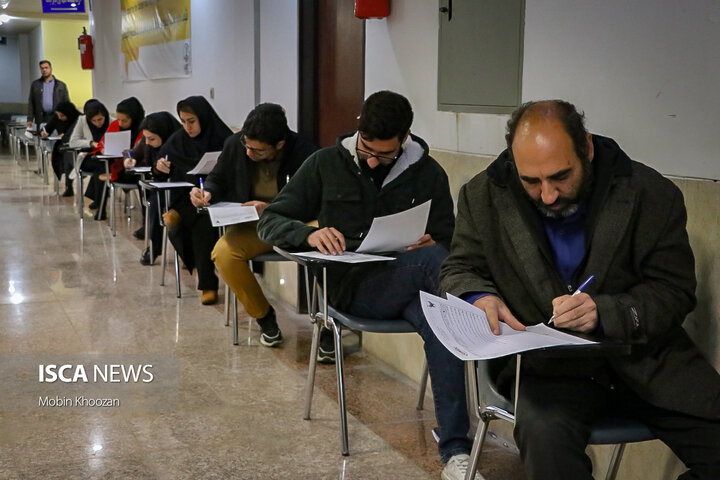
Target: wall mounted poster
x,y
156,39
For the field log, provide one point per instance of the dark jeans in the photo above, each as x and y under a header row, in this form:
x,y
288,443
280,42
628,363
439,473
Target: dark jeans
x,y
553,426
393,292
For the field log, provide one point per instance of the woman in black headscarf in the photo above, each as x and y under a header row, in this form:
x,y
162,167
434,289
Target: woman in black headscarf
x,y
86,135
62,122
156,130
129,115
191,233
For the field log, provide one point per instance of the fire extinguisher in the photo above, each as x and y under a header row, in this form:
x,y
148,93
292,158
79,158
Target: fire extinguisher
x,y
85,45
366,9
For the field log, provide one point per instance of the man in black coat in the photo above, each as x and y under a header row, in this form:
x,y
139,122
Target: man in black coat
x,y
558,206
255,164
45,94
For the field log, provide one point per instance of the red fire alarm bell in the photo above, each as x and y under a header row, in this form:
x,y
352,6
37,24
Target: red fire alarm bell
x,y
372,8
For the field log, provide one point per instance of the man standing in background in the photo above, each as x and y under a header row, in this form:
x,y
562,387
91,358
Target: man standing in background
x,y
45,94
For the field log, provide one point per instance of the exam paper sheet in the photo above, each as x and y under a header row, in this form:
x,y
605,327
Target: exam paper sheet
x,y
230,213
116,142
464,330
206,164
395,232
164,185
345,257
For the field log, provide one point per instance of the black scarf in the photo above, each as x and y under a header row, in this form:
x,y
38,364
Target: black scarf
x,y
91,109
133,109
185,152
162,124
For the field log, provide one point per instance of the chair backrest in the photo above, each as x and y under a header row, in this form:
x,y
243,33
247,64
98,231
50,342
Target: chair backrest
x,y
486,372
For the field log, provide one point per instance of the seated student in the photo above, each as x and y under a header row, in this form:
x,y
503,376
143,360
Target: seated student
x,y
62,122
90,128
156,129
254,166
379,170
558,205
129,114
191,232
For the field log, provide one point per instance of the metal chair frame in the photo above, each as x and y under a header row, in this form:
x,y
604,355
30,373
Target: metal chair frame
x,y
490,405
323,314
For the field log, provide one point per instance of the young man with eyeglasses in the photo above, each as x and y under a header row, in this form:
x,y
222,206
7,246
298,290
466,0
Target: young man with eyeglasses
x,y
379,170
255,164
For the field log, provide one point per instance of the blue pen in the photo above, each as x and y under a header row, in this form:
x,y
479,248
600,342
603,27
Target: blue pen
x,y
579,290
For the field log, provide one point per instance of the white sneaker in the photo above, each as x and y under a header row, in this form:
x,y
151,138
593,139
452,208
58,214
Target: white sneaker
x,y
457,467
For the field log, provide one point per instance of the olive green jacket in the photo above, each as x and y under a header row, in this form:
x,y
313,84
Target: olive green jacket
x,y
638,250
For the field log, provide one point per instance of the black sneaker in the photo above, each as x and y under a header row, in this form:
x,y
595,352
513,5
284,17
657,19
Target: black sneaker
x,y
271,335
326,349
139,233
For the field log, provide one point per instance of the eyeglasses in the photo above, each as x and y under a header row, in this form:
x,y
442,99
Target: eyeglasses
x,y
256,151
364,154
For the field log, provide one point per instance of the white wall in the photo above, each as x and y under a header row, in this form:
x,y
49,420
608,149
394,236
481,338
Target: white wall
x,y
644,72
11,91
34,55
279,55
222,58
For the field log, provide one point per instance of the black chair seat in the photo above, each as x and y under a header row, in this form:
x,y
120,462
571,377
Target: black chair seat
x,y
612,430
269,257
371,325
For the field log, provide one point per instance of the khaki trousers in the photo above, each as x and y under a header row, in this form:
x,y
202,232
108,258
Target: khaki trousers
x,y
231,254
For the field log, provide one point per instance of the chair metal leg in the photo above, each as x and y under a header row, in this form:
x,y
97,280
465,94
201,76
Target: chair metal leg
x,y
615,461
112,209
227,305
163,262
337,334
310,385
177,274
422,387
236,335
477,448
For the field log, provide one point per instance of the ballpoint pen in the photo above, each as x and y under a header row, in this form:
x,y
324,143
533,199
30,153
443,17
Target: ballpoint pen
x,y
579,290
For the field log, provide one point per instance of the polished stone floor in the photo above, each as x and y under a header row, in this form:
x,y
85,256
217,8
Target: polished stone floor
x,y
70,288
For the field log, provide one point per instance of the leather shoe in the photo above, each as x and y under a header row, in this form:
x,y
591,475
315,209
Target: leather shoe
x,y
145,257
94,205
209,297
139,233
69,192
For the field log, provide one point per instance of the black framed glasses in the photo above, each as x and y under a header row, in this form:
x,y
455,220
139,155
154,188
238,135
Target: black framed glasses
x,y
364,154
256,151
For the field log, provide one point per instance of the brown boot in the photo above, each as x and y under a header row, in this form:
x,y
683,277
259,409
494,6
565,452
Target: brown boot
x,y
209,297
172,219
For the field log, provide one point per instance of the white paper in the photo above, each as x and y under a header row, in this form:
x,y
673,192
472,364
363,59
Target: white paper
x,y
465,332
397,231
345,257
140,169
116,142
230,213
164,185
206,164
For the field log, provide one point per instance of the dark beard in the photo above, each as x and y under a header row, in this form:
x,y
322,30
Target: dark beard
x,y
572,203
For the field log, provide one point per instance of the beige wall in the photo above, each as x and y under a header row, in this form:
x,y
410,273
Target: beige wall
x,y
60,47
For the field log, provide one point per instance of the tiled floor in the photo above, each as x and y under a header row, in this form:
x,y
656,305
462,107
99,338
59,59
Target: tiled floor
x,y
69,287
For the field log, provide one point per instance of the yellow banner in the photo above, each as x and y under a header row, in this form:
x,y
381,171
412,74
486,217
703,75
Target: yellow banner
x,y
161,30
